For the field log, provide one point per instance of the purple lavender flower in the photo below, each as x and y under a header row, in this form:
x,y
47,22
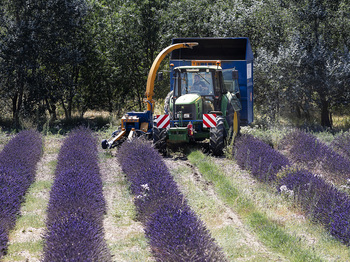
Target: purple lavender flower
x,y
307,150
3,240
341,144
322,201
340,222
261,159
18,162
75,237
76,205
174,231
144,166
176,234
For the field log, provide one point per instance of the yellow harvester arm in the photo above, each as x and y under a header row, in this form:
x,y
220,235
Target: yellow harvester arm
x,y
152,73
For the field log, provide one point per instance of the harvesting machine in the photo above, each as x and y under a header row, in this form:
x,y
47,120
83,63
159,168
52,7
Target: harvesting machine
x,y
211,95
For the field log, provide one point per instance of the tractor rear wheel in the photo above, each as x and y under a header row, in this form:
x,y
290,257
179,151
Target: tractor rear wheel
x,y
217,137
159,139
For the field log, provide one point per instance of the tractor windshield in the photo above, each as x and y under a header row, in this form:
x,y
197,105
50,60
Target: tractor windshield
x,y
193,81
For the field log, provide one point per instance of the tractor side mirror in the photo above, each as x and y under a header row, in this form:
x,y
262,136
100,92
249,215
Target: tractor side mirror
x,y
234,74
160,76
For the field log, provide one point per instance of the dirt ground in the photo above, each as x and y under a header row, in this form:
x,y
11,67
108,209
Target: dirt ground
x,y
228,218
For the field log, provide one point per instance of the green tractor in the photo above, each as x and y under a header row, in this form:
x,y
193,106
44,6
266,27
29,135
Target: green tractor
x,y
211,83
204,104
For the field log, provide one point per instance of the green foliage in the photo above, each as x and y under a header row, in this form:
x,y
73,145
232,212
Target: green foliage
x,y
42,53
269,231
312,71
78,55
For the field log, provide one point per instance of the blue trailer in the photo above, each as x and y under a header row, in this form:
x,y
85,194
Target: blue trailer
x,y
233,53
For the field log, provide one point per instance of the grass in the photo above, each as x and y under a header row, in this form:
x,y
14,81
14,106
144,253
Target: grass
x,y
41,185
26,243
26,237
124,235
33,248
260,208
247,218
131,249
232,236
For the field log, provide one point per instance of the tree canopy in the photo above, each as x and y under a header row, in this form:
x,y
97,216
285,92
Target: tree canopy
x,y
77,55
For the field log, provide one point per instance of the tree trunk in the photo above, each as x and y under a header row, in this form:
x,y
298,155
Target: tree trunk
x,y
69,108
15,115
51,107
325,114
65,109
16,107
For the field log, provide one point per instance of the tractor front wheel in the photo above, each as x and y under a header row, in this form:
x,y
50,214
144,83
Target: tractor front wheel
x,y
217,137
159,139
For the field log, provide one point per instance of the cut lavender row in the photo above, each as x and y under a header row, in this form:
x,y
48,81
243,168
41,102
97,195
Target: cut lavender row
x,y
322,201
150,179
341,144
174,231
260,159
18,162
76,205
305,149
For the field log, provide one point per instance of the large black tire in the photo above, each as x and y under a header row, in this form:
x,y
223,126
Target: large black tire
x,y
217,137
159,139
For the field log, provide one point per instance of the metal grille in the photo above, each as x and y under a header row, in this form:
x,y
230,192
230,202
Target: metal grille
x,y
185,109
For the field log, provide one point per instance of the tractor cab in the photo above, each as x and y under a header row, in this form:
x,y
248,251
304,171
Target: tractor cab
x,y
194,92
190,80
201,95
197,91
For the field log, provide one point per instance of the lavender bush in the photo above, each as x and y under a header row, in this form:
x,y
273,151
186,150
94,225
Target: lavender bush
x,y
341,144
177,235
150,179
75,237
18,162
305,149
322,201
76,205
256,156
174,231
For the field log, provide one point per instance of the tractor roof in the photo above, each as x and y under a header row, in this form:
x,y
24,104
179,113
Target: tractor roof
x,y
212,67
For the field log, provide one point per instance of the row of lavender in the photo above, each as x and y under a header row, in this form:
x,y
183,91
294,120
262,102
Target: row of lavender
x,y
334,161
319,199
18,162
342,144
76,206
174,231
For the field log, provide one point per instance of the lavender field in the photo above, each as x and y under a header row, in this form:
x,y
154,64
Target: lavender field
x,y
285,201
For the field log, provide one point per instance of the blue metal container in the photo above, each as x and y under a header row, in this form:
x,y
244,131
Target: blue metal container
x,y
232,53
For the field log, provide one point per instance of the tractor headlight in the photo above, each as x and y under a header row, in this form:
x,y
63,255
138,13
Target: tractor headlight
x,y
186,115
